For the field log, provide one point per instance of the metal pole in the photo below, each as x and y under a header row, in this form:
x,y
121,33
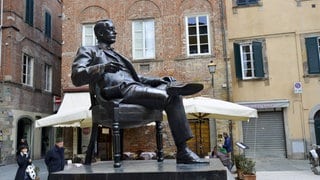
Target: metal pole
x,y
212,83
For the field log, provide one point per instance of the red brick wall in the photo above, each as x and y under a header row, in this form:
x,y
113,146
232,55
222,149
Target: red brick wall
x,y
144,139
171,57
19,37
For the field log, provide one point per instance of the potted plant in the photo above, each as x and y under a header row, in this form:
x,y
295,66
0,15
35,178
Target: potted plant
x,y
245,168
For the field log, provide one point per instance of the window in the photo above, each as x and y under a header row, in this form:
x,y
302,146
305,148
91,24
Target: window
x,y
248,60
88,37
313,55
48,77
29,12
143,45
246,2
27,70
197,35
47,28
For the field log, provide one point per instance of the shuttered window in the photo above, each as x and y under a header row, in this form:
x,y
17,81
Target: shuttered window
x,y
248,60
313,46
29,12
143,35
48,77
47,29
27,70
88,37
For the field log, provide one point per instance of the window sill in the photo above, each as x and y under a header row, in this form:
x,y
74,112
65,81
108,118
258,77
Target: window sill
x,y
195,57
255,79
235,6
27,86
248,5
136,61
311,75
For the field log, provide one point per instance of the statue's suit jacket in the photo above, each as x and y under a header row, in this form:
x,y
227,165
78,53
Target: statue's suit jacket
x,y
89,68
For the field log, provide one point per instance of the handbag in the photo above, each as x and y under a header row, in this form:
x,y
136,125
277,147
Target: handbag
x,y
30,170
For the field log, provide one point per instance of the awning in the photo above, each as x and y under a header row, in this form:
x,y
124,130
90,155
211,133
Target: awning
x,y
73,112
280,103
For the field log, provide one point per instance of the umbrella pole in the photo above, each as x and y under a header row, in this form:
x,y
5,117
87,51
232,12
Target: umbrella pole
x,y
231,138
195,129
200,132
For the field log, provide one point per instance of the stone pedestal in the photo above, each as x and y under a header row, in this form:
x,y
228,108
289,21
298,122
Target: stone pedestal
x,y
143,170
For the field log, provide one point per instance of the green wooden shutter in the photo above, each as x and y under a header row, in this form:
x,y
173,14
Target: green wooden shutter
x,y
258,59
237,60
313,55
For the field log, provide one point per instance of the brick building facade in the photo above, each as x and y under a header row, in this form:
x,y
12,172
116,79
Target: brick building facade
x,y
185,36
30,60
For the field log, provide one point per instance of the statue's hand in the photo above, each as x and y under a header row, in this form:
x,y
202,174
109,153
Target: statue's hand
x,y
113,67
155,82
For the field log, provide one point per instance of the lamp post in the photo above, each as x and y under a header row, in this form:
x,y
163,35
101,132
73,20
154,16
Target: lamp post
x,y
212,70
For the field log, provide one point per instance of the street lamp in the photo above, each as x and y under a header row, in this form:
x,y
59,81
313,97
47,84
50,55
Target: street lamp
x,y
212,70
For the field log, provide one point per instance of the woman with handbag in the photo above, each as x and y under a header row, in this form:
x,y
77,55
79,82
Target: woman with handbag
x,y
23,160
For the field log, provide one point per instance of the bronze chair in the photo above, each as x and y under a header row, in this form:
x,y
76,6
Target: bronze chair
x,y
120,116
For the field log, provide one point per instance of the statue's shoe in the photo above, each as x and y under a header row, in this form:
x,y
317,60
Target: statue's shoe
x,y
186,156
184,89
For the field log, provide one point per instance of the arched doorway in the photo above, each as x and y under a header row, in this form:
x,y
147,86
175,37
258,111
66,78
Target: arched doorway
x,y
317,127
24,131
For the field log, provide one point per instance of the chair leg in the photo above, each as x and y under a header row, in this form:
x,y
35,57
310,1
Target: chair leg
x,y
116,139
159,141
90,149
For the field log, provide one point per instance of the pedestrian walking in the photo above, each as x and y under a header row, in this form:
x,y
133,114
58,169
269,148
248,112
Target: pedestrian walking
x,y
23,160
227,144
55,157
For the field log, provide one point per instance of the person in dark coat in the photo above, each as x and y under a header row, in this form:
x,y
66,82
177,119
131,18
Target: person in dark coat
x,y
227,143
55,157
23,160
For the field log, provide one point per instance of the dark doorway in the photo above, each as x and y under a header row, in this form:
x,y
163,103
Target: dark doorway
x,y
46,140
24,131
317,127
104,143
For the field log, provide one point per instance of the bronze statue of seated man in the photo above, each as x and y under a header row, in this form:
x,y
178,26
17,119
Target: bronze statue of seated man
x,y
114,74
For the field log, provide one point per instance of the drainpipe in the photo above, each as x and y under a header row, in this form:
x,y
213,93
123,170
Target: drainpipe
x,y
225,58
1,24
224,46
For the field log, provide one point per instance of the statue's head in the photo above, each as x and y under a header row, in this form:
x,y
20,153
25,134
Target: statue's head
x,y
105,31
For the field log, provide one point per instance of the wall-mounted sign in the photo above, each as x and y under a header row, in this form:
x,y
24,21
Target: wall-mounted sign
x,y
86,131
297,88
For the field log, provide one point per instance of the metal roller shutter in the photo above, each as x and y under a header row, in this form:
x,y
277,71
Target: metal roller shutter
x,y
265,136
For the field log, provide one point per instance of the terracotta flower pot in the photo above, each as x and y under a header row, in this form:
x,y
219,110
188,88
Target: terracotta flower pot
x,y
249,176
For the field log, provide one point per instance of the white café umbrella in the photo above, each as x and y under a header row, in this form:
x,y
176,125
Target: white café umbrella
x,y
203,107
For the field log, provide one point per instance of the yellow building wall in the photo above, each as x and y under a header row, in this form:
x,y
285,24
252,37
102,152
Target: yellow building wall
x,y
283,25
